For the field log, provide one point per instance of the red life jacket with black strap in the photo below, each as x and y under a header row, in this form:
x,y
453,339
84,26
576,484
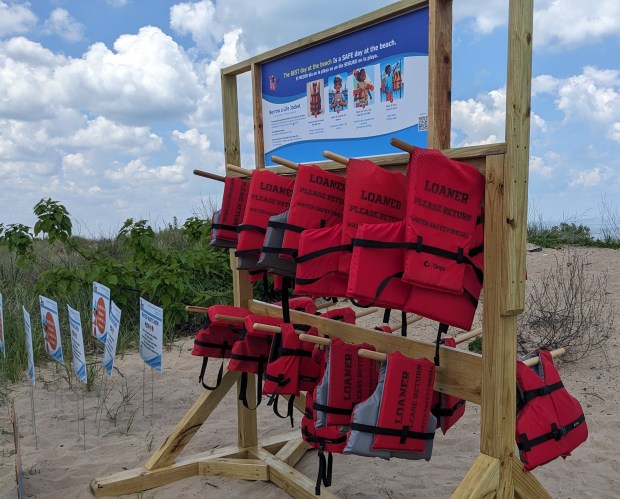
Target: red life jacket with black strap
x,y
269,195
365,417
377,266
444,203
251,352
317,263
318,200
405,406
447,408
227,219
550,421
347,380
372,195
216,338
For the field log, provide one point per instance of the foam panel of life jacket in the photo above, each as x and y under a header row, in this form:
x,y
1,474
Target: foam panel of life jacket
x,y
447,308
343,314
317,263
217,338
272,246
372,195
447,408
444,198
301,304
318,200
377,265
234,199
406,404
554,417
220,237
294,369
347,380
269,195
367,413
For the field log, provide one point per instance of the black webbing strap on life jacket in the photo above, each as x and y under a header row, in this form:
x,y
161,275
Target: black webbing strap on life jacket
x,y
442,329
403,433
386,315
556,433
224,347
403,319
446,412
458,256
325,470
243,385
231,228
331,410
528,395
315,254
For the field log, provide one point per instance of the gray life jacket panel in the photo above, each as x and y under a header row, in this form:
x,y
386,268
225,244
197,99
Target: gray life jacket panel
x,y
272,247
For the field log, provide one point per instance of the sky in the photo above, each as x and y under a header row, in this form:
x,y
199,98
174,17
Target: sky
x,y
107,106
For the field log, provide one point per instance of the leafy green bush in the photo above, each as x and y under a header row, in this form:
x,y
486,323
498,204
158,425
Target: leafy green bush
x,y
171,268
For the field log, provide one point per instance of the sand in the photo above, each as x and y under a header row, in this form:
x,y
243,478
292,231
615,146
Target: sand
x,y
62,468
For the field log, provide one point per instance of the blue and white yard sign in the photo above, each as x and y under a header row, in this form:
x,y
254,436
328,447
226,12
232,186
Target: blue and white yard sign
x,y
77,344
51,328
100,312
112,338
28,330
151,334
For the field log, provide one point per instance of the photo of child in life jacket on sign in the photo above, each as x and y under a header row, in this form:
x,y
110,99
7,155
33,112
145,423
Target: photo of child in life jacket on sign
x,y
314,90
363,85
338,96
391,82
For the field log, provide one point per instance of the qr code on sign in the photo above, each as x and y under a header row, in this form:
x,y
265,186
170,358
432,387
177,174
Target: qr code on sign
x,y
422,123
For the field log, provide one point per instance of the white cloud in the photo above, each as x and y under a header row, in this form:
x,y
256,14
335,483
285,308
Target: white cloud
x,y
61,23
589,178
542,167
481,120
197,19
487,14
614,132
15,18
572,23
117,3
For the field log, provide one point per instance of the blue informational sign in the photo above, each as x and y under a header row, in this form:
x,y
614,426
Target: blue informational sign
x,y
350,95
151,334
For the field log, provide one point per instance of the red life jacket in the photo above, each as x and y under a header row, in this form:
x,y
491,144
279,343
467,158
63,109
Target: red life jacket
x,y
318,199
405,406
347,380
293,369
372,195
269,195
317,263
344,314
444,203
226,220
216,338
251,352
377,265
302,304
447,408
550,421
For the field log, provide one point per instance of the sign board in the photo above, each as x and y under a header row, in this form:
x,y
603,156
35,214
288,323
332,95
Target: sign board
x,y
77,344
100,312
151,334
28,330
51,328
350,94
111,338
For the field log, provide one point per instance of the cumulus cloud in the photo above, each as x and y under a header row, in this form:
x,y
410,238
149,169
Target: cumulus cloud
x,y
590,178
481,120
117,3
61,23
15,19
487,15
572,23
544,167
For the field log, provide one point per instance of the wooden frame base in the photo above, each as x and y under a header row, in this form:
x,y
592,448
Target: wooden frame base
x,y
272,459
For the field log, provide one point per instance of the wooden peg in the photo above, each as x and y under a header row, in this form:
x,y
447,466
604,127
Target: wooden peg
x,y
468,336
325,305
365,312
535,360
267,328
403,146
241,171
229,318
212,176
371,354
285,162
198,310
336,157
319,340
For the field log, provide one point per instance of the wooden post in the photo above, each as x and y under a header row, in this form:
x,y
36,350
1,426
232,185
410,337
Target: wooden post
x,y
518,99
439,73
259,143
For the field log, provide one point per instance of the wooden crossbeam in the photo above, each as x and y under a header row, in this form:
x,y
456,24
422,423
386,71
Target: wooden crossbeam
x,y
480,481
460,373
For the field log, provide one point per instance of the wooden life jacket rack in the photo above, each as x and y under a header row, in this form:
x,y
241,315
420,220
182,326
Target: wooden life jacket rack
x,y
488,380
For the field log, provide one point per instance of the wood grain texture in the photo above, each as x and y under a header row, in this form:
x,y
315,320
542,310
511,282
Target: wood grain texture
x,y
480,481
